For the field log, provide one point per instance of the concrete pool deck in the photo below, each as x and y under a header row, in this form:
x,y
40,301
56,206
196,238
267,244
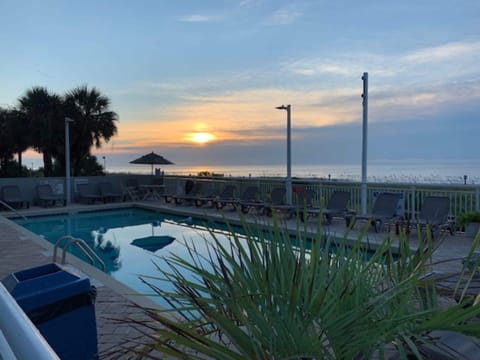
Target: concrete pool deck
x,y
115,303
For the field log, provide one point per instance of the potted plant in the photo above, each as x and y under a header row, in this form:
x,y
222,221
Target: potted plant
x,y
470,220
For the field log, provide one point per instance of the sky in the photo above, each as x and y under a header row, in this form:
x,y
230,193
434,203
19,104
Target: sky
x,y
198,81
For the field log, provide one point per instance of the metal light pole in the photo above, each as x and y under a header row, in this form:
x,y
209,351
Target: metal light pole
x,y
289,153
104,165
364,144
68,191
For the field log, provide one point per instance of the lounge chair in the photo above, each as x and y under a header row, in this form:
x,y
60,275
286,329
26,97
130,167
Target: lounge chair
x,y
384,209
249,200
108,193
46,196
86,195
226,196
170,196
278,203
337,206
192,192
12,196
205,197
304,202
218,199
455,284
434,214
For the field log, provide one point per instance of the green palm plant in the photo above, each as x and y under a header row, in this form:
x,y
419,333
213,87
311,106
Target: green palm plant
x,y
271,296
13,138
43,112
94,122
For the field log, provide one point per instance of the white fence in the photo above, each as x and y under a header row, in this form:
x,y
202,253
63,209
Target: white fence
x,y
462,197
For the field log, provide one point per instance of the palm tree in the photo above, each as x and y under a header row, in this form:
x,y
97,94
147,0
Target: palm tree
x,y
18,123
6,149
14,138
43,112
93,122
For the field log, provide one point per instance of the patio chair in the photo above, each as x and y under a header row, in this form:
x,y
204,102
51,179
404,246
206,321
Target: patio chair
x,y
132,190
337,206
108,193
218,199
46,196
86,195
205,197
277,203
192,192
301,202
12,196
227,196
455,284
434,214
249,200
384,209
169,196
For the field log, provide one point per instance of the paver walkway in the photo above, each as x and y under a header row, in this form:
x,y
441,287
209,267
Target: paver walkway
x,y
19,251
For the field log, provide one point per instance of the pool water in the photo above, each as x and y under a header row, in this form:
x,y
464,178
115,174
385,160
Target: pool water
x,y
131,242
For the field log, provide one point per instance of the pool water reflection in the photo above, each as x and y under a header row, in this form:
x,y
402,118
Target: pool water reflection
x,y
111,234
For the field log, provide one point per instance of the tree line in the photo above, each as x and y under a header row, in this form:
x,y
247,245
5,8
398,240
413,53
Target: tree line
x,y
38,122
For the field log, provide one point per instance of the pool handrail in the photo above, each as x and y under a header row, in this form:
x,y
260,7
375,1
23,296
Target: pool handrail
x,y
13,209
82,245
19,334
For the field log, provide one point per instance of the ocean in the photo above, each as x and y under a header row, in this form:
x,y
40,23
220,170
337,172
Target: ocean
x,y
404,171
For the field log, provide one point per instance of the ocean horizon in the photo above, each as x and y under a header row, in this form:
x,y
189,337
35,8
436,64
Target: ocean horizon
x,y
410,171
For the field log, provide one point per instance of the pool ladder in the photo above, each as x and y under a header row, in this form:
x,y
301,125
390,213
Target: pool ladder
x,y
68,241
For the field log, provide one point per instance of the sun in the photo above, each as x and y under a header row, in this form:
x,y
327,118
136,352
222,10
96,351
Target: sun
x,y
201,137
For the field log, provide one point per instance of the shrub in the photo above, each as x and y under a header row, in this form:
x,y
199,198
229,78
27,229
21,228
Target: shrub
x,y
468,217
278,298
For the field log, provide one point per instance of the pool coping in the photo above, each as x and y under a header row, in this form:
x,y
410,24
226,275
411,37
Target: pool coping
x,y
99,277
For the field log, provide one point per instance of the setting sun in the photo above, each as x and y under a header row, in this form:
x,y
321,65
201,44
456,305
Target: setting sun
x,y
200,137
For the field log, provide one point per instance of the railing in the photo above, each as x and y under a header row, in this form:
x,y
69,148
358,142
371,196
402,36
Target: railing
x,y
12,209
19,338
462,197
82,245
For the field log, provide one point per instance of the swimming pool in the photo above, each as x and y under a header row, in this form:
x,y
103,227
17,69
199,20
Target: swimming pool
x,y
131,241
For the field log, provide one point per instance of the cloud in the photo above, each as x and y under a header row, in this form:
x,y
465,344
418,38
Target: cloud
x,y
316,67
199,18
284,16
450,61
249,3
395,137
447,52
240,106
224,113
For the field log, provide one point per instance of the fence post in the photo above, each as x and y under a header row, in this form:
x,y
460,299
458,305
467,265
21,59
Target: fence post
x,y
412,202
477,198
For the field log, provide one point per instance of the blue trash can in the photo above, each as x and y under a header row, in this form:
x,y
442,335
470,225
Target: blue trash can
x,y
61,305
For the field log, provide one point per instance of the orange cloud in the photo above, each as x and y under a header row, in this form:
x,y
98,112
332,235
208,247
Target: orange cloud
x,y
246,116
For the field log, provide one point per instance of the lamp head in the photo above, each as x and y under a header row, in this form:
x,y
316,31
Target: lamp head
x,y
67,119
283,107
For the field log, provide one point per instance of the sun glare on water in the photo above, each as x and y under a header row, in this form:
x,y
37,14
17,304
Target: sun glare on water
x,y
201,137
